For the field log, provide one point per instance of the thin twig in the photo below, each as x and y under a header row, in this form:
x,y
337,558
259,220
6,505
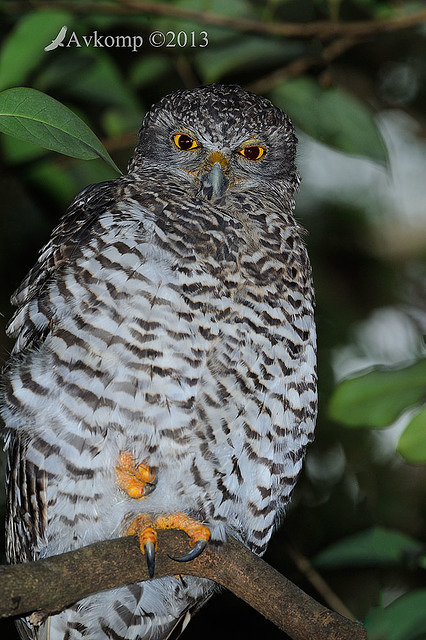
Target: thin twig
x,y
329,596
301,65
322,29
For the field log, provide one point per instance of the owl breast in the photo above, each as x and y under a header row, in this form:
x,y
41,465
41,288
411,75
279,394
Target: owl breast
x,y
198,358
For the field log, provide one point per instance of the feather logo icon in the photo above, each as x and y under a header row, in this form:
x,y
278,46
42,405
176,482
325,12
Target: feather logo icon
x,y
58,41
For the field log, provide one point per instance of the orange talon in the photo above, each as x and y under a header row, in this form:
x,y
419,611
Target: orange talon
x,y
145,528
133,478
142,527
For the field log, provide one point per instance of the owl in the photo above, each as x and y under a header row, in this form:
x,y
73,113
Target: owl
x,y
164,371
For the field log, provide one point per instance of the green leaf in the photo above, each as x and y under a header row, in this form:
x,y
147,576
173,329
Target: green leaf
x,y
373,547
404,619
333,117
64,181
216,34
243,53
62,71
149,69
376,399
33,116
102,83
54,179
23,50
412,443
16,150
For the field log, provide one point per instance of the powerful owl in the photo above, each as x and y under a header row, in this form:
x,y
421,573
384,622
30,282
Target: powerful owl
x,y
164,368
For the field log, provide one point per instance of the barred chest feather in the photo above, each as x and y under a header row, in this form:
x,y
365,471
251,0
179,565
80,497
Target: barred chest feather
x,y
197,356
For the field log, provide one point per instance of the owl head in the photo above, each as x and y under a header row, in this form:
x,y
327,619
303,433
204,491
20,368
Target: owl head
x,y
219,138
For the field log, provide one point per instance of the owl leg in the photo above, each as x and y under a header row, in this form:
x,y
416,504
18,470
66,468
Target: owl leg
x,y
145,528
132,477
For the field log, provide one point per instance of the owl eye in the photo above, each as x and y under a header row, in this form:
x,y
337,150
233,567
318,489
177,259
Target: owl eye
x,y
185,142
252,152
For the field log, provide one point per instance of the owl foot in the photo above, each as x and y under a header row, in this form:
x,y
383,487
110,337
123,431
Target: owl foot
x,y
198,533
132,477
145,528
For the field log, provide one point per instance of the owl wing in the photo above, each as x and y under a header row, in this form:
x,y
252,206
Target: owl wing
x,y
26,517
26,520
30,322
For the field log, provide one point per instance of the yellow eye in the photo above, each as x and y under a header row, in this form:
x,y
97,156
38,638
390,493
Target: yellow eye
x,y
184,142
252,152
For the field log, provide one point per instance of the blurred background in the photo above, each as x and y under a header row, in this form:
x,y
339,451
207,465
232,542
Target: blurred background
x,y
351,74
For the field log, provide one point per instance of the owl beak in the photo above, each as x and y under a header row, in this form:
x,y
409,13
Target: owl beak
x,y
217,180
214,181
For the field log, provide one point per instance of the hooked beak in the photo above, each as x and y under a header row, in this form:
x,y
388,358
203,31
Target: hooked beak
x,y
217,180
214,182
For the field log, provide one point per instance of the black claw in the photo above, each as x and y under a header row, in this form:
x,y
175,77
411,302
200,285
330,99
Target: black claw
x,y
196,550
150,557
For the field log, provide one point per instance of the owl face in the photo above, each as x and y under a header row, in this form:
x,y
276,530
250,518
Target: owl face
x,y
219,138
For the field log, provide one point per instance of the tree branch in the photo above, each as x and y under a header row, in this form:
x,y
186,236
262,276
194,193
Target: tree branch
x,y
323,29
52,584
